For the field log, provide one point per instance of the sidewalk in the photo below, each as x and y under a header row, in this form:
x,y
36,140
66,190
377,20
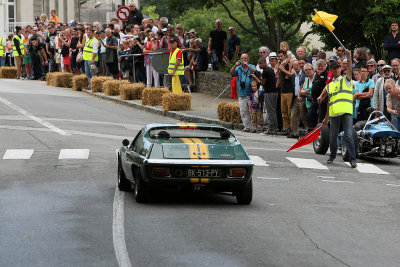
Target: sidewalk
x,y
204,108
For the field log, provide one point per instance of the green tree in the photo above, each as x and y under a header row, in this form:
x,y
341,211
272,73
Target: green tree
x,y
151,12
267,21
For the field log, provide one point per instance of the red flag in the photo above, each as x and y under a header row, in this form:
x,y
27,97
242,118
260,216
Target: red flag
x,y
309,138
233,90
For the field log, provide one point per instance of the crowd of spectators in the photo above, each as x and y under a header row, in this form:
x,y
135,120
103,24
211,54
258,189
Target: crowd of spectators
x,y
285,87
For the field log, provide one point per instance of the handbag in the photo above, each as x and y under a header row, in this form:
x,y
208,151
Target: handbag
x,y
79,56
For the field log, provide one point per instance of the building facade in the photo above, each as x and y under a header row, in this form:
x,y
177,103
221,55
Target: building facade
x,y
22,12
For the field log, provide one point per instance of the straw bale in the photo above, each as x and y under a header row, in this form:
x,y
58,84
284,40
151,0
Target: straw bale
x,y
97,83
235,112
132,91
220,110
80,82
229,112
50,78
111,87
63,79
177,102
153,96
8,72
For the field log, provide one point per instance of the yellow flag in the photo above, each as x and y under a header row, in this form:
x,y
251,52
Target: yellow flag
x,y
176,85
325,19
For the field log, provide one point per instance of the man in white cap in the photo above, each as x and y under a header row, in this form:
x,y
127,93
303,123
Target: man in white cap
x,y
380,92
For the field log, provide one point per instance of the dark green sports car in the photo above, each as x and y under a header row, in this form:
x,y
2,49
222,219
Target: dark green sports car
x,y
185,156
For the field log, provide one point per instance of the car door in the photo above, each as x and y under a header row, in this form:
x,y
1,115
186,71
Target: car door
x,y
128,158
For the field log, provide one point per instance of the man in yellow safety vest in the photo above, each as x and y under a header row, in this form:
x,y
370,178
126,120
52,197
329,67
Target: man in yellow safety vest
x,y
18,51
175,67
2,51
89,54
340,110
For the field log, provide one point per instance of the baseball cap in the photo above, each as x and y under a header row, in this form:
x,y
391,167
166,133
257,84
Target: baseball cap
x,y
334,63
37,18
173,39
273,55
387,67
333,58
101,31
164,29
192,30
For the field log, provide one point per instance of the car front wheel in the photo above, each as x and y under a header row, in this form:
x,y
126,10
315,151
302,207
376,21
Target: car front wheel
x,y
244,195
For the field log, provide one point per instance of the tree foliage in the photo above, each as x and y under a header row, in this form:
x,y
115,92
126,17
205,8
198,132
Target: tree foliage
x,y
267,22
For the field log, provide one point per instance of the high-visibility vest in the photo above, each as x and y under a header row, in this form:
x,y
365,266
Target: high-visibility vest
x,y
2,47
21,46
172,61
340,98
88,50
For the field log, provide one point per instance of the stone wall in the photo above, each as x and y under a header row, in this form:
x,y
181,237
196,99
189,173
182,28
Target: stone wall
x,y
213,82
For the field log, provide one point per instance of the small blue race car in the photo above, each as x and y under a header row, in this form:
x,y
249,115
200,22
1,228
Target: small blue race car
x,y
375,137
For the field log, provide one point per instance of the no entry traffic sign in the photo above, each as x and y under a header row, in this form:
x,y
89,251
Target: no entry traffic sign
x,y
123,13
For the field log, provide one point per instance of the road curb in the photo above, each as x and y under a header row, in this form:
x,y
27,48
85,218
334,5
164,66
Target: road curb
x,y
178,115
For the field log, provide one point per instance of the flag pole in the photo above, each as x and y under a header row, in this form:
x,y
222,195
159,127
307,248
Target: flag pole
x,y
334,35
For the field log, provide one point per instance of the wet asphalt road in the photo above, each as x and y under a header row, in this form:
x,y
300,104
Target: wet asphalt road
x,y
59,212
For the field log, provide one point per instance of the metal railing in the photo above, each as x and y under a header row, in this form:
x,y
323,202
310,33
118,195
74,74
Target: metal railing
x,y
11,25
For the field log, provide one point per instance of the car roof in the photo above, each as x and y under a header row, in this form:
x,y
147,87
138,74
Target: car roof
x,y
149,127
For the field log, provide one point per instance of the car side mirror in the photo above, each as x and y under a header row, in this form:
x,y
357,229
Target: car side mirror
x,y
125,142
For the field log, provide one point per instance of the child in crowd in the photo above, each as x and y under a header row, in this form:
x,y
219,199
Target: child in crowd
x,y
256,106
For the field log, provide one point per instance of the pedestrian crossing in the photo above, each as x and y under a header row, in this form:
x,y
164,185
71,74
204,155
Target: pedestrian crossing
x,y
301,163
26,154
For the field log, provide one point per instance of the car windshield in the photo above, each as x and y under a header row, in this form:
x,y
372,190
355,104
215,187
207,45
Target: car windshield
x,y
189,132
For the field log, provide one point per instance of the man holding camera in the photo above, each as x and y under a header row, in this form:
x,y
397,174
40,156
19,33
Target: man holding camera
x,y
243,71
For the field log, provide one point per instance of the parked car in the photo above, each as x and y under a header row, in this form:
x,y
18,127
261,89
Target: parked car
x,y
185,156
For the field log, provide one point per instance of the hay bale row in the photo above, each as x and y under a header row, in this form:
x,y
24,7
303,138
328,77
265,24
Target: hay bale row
x,y
111,87
80,82
229,112
8,72
153,96
132,91
97,82
177,102
59,79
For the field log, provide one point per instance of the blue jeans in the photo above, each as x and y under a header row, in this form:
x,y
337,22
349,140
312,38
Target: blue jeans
x,y
88,73
2,61
347,121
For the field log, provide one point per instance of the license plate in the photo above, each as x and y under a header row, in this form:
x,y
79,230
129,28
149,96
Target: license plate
x,y
203,173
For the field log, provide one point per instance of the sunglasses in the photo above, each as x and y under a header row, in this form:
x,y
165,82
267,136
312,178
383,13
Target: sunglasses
x,y
370,66
263,52
386,70
381,65
340,50
230,30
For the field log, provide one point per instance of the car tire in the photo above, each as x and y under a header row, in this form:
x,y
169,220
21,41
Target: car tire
x,y
345,153
321,145
244,195
140,191
123,183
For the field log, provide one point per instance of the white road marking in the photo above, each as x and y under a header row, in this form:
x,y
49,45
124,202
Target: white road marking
x,y
74,154
272,178
32,117
368,168
258,161
279,149
332,181
396,185
100,135
18,154
119,231
307,163
326,177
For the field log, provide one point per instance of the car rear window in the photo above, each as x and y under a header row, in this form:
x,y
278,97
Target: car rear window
x,y
188,132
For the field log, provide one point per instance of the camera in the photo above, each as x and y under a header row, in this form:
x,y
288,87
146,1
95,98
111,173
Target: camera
x,y
257,74
309,97
242,85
